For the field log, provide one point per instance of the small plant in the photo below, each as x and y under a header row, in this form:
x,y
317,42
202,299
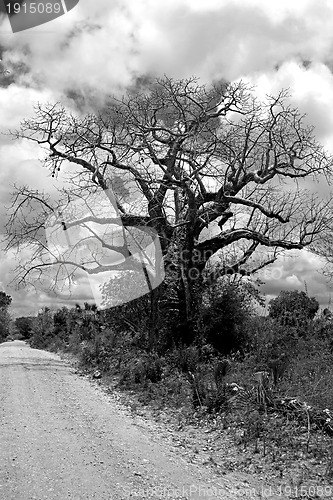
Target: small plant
x,y
147,367
329,468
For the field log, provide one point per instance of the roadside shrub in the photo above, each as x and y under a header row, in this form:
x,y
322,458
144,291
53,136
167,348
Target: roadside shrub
x,y
310,373
98,352
209,385
227,307
42,329
184,358
55,344
268,338
130,317
146,367
323,328
60,325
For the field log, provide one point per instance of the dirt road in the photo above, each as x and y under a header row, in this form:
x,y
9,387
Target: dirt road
x,y
62,438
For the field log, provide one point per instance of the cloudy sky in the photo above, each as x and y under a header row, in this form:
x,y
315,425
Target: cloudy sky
x,y
101,47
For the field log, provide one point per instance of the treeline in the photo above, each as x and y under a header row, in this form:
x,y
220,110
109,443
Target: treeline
x,y
226,309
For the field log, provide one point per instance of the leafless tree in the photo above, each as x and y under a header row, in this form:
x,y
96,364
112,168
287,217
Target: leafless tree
x,y
211,171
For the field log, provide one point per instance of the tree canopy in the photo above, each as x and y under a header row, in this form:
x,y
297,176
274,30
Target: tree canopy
x,y
293,307
5,300
24,325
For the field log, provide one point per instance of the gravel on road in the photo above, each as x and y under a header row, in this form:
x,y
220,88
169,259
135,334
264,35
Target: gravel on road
x,y
62,437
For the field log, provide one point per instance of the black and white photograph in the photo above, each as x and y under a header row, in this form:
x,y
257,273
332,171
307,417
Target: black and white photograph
x,y
166,243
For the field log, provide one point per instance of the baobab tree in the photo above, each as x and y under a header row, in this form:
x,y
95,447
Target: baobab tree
x,y
207,171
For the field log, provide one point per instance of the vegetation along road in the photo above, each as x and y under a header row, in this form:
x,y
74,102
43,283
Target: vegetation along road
x,y
62,437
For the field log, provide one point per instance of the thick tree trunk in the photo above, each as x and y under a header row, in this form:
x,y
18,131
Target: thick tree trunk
x,y
190,298
154,318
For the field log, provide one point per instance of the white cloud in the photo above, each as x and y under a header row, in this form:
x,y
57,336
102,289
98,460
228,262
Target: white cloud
x,y
16,103
311,91
297,270
98,48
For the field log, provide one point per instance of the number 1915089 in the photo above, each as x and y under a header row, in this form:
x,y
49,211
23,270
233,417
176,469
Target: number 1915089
x,y
34,8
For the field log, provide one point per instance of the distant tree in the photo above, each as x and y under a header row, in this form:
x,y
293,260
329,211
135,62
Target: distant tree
x,y
5,300
293,308
5,319
24,326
